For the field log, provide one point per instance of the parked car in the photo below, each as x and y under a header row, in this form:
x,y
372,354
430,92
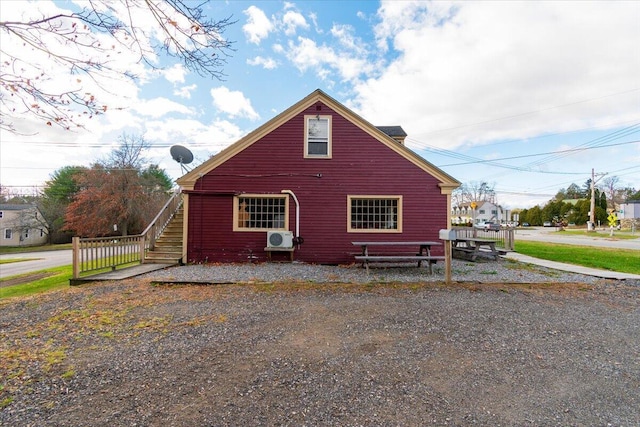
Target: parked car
x,y
525,224
491,226
547,224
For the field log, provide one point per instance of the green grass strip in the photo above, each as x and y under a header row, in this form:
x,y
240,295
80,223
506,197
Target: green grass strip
x,y
621,260
21,249
600,234
12,260
58,279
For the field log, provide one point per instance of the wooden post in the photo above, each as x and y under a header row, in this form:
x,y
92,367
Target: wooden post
x,y
447,262
76,257
141,248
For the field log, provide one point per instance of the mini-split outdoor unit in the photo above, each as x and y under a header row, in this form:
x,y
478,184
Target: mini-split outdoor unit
x,y
279,239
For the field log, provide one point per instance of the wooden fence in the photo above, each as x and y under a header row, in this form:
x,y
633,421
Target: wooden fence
x,y
504,237
100,253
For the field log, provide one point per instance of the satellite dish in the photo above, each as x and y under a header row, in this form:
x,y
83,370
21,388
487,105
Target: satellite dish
x,y
181,155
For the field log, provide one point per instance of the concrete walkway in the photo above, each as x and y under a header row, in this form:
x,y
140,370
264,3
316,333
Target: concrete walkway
x,y
605,274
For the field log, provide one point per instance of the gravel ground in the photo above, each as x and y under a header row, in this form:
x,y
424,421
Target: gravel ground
x,y
506,344
502,270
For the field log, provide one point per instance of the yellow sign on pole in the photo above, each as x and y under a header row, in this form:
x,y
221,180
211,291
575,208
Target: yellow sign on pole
x,y
473,205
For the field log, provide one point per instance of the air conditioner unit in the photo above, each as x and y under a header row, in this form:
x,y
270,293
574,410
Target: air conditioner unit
x,y
279,239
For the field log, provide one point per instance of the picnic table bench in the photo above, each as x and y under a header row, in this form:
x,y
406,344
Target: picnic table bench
x,y
423,254
474,245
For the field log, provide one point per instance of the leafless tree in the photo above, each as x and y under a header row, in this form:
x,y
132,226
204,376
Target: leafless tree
x,y
610,186
87,42
474,191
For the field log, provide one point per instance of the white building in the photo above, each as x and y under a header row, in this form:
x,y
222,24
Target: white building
x,y
483,212
21,225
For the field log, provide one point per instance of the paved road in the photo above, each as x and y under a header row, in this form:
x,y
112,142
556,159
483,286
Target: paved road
x,y
37,261
549,235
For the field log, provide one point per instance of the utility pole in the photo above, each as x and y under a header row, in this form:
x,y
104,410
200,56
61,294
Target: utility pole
x,y
592,213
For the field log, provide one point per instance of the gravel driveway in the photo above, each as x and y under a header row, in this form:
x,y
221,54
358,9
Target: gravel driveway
x,y
505,345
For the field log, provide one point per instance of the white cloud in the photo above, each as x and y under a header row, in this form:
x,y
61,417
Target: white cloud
x,y
344,34
258,25
292,21
266,63
174,74
473,72
307,54
233,103
185,91
158,107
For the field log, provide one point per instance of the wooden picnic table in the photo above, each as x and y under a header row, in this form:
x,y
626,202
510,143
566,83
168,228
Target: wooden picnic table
x,y
474,245
423,254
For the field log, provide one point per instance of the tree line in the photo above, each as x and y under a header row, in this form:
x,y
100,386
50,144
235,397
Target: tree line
x,y
119,195
573,204
569,205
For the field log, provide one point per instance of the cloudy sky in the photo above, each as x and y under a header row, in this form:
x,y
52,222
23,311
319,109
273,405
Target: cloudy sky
x,y
527,96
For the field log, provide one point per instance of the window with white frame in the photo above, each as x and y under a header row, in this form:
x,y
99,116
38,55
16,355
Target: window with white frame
x,y
374,214
260,212
317,141
8,233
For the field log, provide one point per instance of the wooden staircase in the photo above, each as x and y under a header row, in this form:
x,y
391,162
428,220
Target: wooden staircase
x,y
168,247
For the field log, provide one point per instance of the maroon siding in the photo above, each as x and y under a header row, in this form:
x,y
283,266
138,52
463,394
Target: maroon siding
x,y
360,165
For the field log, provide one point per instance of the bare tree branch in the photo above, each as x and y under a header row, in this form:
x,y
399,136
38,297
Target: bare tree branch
x,y
86,43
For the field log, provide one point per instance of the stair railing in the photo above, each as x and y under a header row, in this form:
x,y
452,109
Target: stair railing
x,y
94,254
156,227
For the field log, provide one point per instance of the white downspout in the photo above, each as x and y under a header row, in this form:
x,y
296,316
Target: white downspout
x,y
295,199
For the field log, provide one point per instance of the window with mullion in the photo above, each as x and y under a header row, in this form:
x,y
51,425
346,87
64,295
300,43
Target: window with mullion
x,y
255,213
374,213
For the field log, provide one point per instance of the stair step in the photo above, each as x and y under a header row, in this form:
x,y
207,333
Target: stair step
x,y
168,247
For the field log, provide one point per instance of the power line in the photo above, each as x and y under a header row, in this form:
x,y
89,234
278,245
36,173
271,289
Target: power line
x,y
571,150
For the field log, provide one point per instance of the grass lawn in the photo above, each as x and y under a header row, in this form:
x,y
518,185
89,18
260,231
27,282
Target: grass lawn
x,y
622,260
44,280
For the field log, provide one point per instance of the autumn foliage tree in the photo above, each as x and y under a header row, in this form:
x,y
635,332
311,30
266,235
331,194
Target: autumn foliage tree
x,y
120,195
57,58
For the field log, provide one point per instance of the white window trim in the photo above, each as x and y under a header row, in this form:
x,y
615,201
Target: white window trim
x,y
236,212
374,230
306,137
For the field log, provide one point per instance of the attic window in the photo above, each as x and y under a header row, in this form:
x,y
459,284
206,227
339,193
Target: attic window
x,y
317,141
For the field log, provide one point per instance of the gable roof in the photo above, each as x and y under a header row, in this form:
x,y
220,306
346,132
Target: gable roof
x,y
447,182
393,130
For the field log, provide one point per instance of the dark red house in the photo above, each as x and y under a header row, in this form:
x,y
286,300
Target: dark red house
x,y
319,173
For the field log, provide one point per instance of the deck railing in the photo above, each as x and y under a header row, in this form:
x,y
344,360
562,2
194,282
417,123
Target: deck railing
x,y
504,237
100,253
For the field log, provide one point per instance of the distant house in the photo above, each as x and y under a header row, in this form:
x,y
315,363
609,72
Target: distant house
x,y
21,225
320,172
484,212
